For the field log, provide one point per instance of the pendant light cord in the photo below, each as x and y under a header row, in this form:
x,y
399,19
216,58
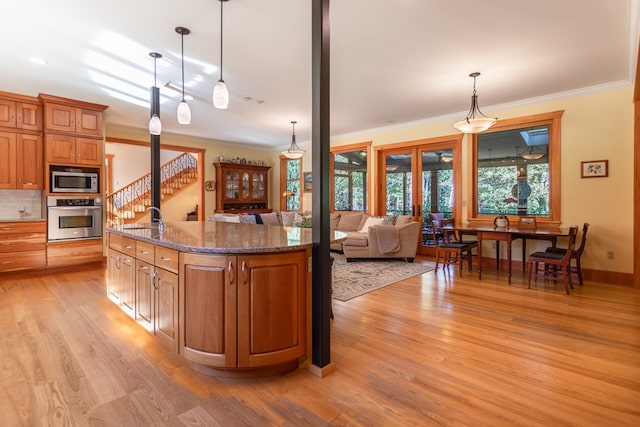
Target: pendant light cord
x,y
182,45
221,32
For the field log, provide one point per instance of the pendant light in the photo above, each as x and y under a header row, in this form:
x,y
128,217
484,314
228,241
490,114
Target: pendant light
x,y
155,125
475,121
184,112
220,91
294,152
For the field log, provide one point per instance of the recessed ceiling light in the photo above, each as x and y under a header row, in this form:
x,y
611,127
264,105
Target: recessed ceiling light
x,y
37,60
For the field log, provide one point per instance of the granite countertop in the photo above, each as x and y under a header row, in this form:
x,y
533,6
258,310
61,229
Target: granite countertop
x,y
220,237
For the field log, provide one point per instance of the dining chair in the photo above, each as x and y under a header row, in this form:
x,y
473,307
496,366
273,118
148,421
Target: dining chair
x,y
448,250
575,254
559,262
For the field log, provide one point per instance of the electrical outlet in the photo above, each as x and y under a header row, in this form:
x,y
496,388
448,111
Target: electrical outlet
x,y
611,255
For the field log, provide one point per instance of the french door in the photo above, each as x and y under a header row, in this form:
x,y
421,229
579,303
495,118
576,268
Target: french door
x,y
418,179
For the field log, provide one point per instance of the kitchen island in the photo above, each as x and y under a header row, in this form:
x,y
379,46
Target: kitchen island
x,y
232,298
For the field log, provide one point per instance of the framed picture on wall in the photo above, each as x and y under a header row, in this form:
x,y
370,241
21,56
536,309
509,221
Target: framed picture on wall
x,y
306,181
594,169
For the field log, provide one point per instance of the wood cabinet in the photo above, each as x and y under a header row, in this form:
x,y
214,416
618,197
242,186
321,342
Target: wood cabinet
x,y
70,150
74,252
22,245
243,311
73,131
20,112
242,188
72,119
143,280
21,164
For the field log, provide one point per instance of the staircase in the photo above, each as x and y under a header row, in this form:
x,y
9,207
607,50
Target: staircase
x,y
129,203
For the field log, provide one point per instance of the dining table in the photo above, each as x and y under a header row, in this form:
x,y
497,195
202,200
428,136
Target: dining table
x,y
508,234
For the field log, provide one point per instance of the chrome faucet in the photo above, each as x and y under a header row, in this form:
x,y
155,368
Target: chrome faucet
x,y
159,220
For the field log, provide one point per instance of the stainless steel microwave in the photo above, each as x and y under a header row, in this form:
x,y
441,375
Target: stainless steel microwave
x,y
70,181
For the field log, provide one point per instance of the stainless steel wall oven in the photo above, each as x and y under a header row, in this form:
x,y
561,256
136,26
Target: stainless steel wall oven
x,y
70,218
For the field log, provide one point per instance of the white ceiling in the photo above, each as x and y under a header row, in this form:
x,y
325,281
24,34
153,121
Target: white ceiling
x,y
392,62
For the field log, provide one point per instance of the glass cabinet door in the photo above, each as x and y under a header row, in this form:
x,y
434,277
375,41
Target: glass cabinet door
x,y
233,183
245,185
257,185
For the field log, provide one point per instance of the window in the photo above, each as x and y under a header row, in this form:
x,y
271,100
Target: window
x,y
517,169
350,177
290,184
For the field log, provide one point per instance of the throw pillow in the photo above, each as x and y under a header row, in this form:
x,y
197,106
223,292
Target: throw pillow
x,y
247,219
349,222
371,221
334,220
270,218
403,219
389,220
287,218
302,221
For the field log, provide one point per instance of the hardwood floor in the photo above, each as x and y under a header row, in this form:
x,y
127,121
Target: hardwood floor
x,y
436,349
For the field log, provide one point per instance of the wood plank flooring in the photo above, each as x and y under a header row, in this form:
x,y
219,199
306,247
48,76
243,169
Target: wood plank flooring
x,y
435,349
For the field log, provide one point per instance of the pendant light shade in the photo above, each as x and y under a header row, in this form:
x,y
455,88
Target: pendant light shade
x,y
184,111
221,95
220,91
155,125
294,152
475,121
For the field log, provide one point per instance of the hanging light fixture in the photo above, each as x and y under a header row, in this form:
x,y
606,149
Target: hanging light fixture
x,y
220,91
475,121
530,154
294,152
184,112
155,125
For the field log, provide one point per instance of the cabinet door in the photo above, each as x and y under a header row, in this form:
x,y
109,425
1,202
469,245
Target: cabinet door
x,y
245,185
59,117
128,284
88,151
29,163
271,308
88,121
145,310
208,303
232,187
8,155
166,318
7,113
113,276
257,186
60,148
28,116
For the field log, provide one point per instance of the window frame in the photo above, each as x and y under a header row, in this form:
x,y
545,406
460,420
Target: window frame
x,y
551,119
283,183
359,146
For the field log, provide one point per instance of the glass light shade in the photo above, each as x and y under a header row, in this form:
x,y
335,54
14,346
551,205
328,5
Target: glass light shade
x,y
475,125
293,153
155,125
221,95
184,113
532,156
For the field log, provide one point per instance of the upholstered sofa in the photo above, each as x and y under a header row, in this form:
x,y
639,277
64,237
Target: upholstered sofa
x,y
367,236
377,237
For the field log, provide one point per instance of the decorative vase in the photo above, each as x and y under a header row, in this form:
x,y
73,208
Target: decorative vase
x,y
501,221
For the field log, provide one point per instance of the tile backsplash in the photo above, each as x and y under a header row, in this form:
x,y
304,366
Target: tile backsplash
x,y
22,204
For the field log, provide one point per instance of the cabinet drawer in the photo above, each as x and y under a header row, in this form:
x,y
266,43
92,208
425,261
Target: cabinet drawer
x,y
23,260
167,258
71,253
122,244
21,242
23,227
144,251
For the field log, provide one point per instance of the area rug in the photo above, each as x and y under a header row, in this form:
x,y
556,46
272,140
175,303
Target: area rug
x,y
352,279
